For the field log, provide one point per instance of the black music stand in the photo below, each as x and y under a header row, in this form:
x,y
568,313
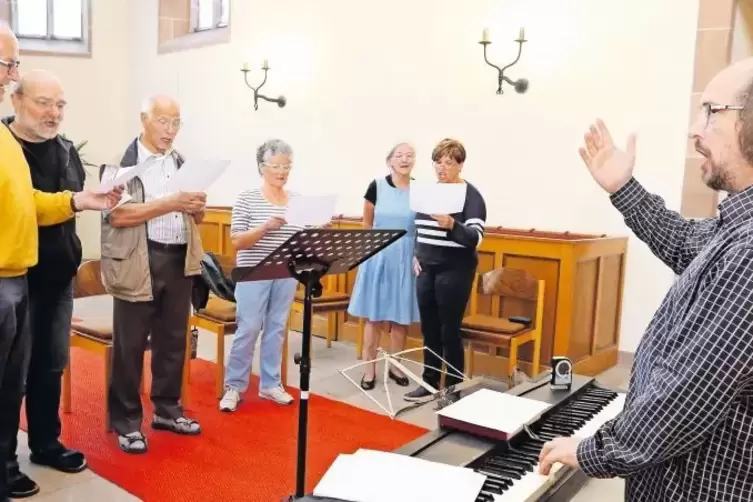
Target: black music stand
x,y
308,256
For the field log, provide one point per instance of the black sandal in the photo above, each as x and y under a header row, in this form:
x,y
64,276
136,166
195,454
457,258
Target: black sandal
x,y
181,425
368,385
402,381
127,443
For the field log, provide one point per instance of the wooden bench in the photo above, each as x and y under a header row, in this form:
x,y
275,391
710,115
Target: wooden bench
x,y
520,295
94,333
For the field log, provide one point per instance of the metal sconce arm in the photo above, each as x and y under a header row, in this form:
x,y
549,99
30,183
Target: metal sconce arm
x,y
520,85
281,101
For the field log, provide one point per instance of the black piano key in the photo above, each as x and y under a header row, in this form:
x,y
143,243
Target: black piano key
x,y
505,482
507,467
511,464
485,497
504,473
491,486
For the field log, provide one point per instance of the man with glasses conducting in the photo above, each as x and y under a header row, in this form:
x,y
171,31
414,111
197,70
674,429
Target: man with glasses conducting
x,y
151,249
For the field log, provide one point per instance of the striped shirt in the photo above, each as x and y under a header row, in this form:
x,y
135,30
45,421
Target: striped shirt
x,y
168,228
250,211
436,245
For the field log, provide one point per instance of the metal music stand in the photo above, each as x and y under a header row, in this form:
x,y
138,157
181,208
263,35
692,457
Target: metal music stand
x,y
308,256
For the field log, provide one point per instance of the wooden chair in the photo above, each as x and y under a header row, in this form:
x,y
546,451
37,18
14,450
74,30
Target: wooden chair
x,y
521,295
94,332
218,317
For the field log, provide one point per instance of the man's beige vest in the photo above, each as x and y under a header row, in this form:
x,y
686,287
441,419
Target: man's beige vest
x,y
125,255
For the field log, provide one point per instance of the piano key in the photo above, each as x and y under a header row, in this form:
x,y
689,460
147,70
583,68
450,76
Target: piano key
x,y
601,406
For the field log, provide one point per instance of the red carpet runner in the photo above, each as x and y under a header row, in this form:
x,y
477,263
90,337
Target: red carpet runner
x,y
245,456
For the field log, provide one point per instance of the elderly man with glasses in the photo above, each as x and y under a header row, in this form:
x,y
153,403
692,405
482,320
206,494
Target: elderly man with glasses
x,y
151,249
23,209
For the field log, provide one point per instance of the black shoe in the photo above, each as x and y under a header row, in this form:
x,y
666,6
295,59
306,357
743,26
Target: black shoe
x,y
367,384
22,486
61,459
418,395
402,381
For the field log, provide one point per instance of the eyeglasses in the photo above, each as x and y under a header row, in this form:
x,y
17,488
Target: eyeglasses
x,y
710,109
279,167
10,65
165,122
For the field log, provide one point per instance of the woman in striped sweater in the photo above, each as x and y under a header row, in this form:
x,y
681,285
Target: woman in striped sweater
x,y
445,263
257,228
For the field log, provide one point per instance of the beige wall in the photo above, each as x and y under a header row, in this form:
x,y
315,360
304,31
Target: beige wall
x,y
96,90
713,52
361,76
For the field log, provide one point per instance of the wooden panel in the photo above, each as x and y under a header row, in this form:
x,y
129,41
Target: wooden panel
x,y
583,310
572,265
210,237
608,301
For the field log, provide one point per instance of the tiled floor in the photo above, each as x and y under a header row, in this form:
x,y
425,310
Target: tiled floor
x,y
325,380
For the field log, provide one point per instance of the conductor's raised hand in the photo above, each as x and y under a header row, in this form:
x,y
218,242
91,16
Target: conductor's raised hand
x,y
611,167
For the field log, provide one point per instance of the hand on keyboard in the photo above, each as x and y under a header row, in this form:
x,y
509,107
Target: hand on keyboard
x,y
562,450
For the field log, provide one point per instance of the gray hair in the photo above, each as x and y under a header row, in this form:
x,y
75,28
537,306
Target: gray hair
x,y
398,145
148,105
270,148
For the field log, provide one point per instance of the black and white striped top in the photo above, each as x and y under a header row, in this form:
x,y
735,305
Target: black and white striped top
x,y
436,245
250,211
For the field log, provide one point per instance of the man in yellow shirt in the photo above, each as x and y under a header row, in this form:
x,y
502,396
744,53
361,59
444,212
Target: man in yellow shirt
x,y
22,210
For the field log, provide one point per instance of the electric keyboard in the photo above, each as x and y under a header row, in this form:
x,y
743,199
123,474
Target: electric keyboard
x,y
512,467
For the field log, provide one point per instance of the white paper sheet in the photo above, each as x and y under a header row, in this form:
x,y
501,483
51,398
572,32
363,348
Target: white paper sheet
x,y
311,210
197,175
437,198
376,476
124,175
495,410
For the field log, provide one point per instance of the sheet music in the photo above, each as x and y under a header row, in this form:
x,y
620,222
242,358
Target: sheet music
x,y
376,476
124,175
437,198
197,175
311,210
496,410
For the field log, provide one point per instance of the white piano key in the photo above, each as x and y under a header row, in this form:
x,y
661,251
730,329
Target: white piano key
x,y
530,487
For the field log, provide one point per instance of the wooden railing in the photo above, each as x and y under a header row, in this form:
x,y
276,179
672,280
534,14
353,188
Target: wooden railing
x,y
584,277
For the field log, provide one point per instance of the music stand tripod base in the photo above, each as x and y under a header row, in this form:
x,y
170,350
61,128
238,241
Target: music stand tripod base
x,y
308,256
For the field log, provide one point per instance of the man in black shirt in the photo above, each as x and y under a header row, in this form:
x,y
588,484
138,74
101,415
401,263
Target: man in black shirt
x,y
55,166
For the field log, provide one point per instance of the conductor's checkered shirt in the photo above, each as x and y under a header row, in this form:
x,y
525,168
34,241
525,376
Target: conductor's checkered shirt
x,y
686,432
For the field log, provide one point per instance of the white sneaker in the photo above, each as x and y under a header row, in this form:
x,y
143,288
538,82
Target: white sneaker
x,y
277,395
230,400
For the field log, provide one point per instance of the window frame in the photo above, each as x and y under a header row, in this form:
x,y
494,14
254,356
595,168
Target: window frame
x,y
216,16
50,44
204,37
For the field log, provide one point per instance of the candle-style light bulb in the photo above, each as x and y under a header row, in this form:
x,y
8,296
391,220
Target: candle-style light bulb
x,y
485,35
265,65
245,66
522,34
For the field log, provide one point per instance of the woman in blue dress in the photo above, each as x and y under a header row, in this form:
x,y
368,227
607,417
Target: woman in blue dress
x,y
385,287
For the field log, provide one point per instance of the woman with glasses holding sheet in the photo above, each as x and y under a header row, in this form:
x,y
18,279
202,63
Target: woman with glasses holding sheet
x,y
257,228
445,264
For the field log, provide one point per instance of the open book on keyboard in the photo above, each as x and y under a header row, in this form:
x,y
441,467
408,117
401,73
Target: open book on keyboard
x,y
376,476
491,414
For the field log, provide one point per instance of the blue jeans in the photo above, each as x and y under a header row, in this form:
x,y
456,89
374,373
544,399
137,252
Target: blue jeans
x,y
259,303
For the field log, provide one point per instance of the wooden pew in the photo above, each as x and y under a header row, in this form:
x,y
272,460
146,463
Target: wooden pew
x,y
584,277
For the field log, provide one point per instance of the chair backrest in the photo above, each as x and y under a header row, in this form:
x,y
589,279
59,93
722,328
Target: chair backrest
x,y
88,280
519,293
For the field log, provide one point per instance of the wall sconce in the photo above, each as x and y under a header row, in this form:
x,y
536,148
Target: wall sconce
x,y
281,101
520,85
